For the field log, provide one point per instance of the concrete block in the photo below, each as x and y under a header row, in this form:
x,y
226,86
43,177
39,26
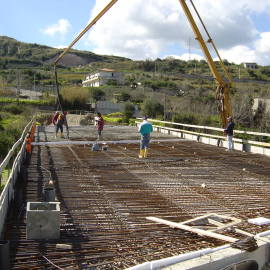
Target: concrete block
x,y
43,220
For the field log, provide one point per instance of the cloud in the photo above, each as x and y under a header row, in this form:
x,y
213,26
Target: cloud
x,y
141,29
239,54
138,29
60,47
263,44
259,52
186,56
61,27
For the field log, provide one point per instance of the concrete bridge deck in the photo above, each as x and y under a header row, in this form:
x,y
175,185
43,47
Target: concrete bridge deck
x,y
106,196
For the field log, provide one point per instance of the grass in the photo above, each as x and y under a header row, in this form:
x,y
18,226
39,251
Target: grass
x,y
24,101
112,119
4,179
116,117
12,120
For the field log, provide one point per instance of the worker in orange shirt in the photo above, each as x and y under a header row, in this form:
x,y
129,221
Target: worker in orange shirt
x,y
28,147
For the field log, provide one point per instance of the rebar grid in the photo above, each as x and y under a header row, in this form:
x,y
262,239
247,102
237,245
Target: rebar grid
x,y
105,197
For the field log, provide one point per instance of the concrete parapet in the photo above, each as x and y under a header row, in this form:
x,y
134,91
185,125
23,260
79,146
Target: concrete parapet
x,y
4,255
43,220
223,258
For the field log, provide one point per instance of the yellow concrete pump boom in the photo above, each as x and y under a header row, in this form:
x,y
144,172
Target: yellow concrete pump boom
x,y
100,14
223,86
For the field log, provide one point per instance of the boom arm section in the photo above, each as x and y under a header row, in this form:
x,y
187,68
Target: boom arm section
x,y
223,87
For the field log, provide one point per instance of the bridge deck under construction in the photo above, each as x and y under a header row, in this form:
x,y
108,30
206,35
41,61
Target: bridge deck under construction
x,y
106,196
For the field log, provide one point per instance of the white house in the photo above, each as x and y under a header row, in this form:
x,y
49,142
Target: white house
x,y
101,77
250,65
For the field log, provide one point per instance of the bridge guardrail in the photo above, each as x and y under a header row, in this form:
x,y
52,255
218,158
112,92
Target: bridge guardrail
x,y
7,194
218,140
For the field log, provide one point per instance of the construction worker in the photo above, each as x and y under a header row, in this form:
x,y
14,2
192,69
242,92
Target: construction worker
x,y
99,124
28,147
145,129
55,117
229,132
59,121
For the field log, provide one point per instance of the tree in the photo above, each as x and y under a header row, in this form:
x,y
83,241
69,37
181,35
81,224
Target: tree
x,y
259,114
152,108
148,65
96,94
123,97
129,110
74,97
112,82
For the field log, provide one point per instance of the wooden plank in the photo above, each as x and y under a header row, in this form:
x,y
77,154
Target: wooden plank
x,y
264,239
193,230
197,218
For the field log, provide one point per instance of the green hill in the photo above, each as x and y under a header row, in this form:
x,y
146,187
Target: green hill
x,y
16,54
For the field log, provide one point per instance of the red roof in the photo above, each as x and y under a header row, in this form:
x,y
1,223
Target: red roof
x,y
107,69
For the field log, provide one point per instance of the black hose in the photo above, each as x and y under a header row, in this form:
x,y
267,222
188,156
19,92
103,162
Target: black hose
x,y
58,104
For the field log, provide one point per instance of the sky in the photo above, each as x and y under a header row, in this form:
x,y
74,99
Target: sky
x,y
143,29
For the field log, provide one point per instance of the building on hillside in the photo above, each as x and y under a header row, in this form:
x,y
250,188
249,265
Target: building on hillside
x,y
250,65
102,77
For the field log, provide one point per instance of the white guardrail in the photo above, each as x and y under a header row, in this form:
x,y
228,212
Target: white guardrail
x,y
201,135
7,195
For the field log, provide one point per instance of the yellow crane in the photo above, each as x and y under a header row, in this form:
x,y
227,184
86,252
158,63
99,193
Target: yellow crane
x,y
223,85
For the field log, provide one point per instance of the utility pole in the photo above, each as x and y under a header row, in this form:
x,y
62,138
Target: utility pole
x,y
17,84
239,73
35,84
189,49
164,107
3,84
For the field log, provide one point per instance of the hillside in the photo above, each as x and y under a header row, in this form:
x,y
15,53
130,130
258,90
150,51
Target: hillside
x,y
184,89
16,54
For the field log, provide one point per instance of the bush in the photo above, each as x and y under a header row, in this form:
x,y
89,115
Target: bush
x,y
129,110
112,82
152,108
7,139
123,97
197,119
74,98
115,114
96,94
13,108
186,119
